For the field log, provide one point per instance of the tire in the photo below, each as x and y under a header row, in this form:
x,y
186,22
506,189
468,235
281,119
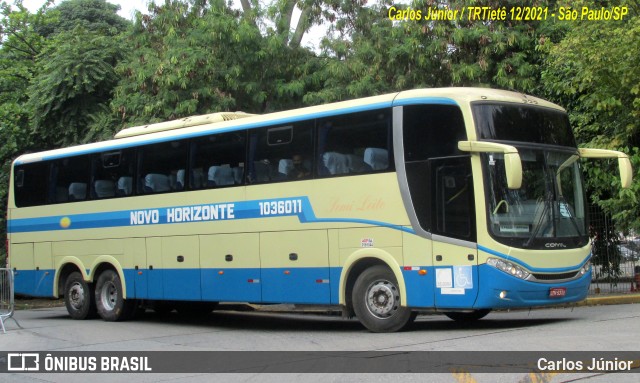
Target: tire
x,y
110,303
376,301
78,297
468,316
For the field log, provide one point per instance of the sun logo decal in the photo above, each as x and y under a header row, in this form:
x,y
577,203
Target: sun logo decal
x,y
65,222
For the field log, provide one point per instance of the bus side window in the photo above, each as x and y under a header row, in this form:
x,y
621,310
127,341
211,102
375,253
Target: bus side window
x,y
69,178
217,160
112,174
354,144
281,153
28,188
159,164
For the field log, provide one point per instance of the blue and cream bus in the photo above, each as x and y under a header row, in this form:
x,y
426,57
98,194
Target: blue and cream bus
x,y
457,200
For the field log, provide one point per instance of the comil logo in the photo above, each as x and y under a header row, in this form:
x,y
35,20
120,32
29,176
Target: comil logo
x,y
23,362
554,245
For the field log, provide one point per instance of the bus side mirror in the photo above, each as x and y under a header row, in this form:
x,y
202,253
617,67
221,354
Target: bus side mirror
x,y
626,173
512,162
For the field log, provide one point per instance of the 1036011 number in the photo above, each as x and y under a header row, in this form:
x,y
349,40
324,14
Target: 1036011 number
x,y
282,207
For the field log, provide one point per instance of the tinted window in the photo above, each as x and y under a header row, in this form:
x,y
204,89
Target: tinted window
x,y
112,174
432,132
355,143
69,179
281,153
509,122
30,182
162,167
217,160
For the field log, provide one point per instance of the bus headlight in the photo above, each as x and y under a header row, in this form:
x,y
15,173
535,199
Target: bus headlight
x,y
585,268
508,267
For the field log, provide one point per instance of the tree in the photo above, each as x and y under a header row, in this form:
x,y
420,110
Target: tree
x,y
54,78
368,53
73,85
20,46
92,15
197,57
593,72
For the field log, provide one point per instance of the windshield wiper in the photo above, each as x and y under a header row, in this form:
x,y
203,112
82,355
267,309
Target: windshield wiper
x,y
548,200
563,201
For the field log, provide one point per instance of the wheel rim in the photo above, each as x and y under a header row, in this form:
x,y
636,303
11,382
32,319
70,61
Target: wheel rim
x,y
382,299
109,295
76,294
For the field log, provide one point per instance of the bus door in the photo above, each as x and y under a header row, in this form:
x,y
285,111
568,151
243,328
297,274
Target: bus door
x,y
295,267
455,256
148,269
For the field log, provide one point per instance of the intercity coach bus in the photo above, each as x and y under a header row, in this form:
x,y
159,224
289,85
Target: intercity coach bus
x,y
456,200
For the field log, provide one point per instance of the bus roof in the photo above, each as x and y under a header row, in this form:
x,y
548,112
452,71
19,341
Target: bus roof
x,y
201,126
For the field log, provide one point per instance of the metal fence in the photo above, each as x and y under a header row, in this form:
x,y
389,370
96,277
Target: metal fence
x,y
6,297
616,259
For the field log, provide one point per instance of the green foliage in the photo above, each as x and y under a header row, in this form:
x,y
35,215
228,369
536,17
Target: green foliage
x,y
191,58
74,81
594,72
605,243
369,54
20,47
92,15
55,79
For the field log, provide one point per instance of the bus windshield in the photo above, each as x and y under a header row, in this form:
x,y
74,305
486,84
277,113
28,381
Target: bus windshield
x,y
548,210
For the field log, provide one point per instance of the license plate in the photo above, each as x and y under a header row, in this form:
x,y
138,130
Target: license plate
x,y
557,292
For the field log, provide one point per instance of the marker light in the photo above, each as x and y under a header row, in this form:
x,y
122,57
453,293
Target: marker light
x,y
508,267
503,294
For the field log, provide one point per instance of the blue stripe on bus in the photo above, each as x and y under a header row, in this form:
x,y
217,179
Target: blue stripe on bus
x,y
531,268
281,207
302,285
318,285
287,120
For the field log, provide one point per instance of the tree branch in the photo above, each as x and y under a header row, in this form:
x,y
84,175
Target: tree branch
x,y
301,28
246,6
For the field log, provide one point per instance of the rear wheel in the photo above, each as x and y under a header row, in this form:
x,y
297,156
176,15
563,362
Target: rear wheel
x,y
377,301
110,302
78,297
471,316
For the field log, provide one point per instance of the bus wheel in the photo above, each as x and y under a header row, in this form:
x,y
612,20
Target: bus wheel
x,y
78,297
376,301
471,316
110,303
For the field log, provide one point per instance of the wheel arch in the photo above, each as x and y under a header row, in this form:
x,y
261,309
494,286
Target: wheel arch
x,y
107,262
67,266
361,260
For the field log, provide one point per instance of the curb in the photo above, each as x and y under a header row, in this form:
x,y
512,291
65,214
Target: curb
x,y
611,300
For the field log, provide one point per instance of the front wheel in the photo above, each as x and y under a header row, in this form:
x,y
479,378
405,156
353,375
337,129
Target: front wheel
x,y
377,301
78,297
110,301
471,316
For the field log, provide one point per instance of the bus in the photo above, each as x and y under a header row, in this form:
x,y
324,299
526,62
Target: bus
x,y
455,200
